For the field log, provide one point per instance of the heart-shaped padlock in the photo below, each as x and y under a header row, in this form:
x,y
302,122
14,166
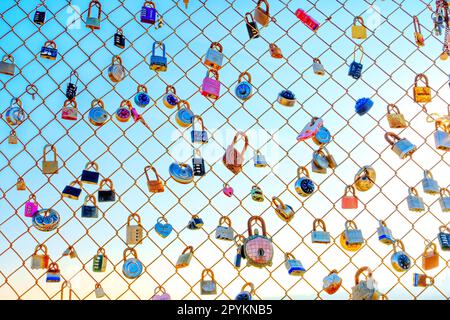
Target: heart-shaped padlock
x,y
163,227
227,190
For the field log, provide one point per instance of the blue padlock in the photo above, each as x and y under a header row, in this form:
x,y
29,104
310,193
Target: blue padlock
x,y
148,12
198,136
49,50
363,106
158,63
244,89
356,68
142,99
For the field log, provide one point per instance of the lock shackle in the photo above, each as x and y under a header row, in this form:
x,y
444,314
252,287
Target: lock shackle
x,y
444,191
360,48
8,57
98,285
90,198
260,2
135,217
159,289
52,148
53,267
239,239
13,133
302,170
417,26
170,88
149,4
41,247
184,103
429,246
398,244
249,18
350,189
444,125
101,251
91,164
317,60
256,219
358,19
20,179
50,44
72,103
119,31
214,72
64,285
249,284
108,182
382,223
277,203
159,44
75,74
116,58
245,75
97,102
413,192
319,223
427,174
361,271
197,152
32,197
76,182
129,251
199,119
225,220
189,249
153,169
392,138
289,256
126,103
98,5
444,228
334,271
422,77
207,272
162,219
350,225
16,100
31,89
217,46
393,108
142,88
241,135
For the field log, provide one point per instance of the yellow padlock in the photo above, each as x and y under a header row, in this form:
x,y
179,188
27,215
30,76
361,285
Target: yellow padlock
x,y
359,31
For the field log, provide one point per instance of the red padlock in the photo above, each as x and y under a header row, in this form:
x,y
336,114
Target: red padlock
x,y
211,86
350,202
69,110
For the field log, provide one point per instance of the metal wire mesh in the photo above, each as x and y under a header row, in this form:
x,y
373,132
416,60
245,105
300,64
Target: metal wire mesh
x,y
391,62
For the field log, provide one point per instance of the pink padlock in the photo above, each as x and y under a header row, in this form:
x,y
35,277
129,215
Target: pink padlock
x,y
227,190
31,207
211,86
310,129
160,294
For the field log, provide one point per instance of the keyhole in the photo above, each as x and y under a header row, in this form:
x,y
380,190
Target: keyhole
x,y
261,252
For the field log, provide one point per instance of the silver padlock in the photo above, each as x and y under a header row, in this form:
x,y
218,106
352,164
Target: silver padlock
x,y
214,56
415,203
225,232
444,201
402,147
259,160
318,67
442,136
385,234
430,186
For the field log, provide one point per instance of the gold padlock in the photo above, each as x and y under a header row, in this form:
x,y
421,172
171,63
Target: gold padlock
x,y
20,184
359,31
185,258
134,232
395,119
422,94
50,167
154,186
12,138
430,256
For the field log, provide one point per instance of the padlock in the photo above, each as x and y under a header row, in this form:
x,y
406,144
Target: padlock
x,y
332,164
31,206
89,210
284,212
318,67
444,200
359,31
442,136
208,287
307,20
196,223
50,167
316,169
70,252
170,99
181,172
320,236
259,160
53,273
49,50
363,106
90,174
40,260
119,39
8,68
20,184
240,254
134,232
257,194
99,292
365,178
160,294
71,89
402,147
310,130
349,201
198,136
225,232
211,86
262,16
355,70
39,15
12,138
400,260
93,22
322,137
395,119
227,190
365,289
106,195
98,116
116,71
246,295
198,164
352,238
233,159
444,238
69,110
420,40
154,186
132,267
415,203
185,258
430,186
123,113
422,280
286,98
184,114
72,192
214,56
384,233
332,282
148,12
99,261
163,227
421,94
293,266
252,27
304,185
142,99
244,88
275,51
64,285
158,63
430,257
258,248
15,114
46,220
